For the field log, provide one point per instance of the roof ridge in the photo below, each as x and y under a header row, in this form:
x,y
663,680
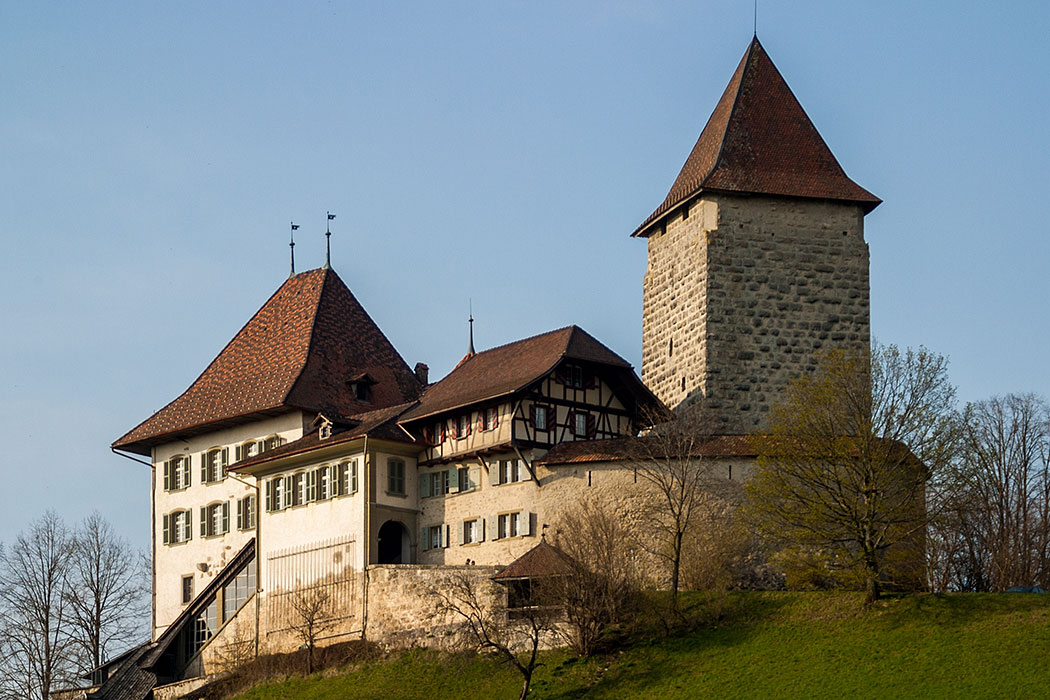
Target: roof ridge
x,y
313,332
522,340
744,64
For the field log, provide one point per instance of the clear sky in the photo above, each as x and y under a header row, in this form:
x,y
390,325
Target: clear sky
x,y
153,155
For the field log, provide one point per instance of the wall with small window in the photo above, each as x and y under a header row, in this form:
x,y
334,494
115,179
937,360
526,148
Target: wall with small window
x,y
464,501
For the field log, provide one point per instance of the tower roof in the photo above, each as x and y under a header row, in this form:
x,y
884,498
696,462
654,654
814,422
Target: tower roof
x,y
759,140
301,350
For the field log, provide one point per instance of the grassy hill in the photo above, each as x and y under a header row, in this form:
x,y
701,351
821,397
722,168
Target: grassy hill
x,y
754,645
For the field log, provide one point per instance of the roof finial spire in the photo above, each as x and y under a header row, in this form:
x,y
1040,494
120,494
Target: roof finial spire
x,y
291,246
470,320
756,19
328,241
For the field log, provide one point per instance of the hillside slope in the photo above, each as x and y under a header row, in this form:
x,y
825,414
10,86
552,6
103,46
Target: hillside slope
x,y
755,645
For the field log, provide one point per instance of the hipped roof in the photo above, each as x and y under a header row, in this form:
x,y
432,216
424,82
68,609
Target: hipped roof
x,y
299,351
759,140
513,367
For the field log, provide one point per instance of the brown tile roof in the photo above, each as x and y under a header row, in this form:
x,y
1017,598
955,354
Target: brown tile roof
x,y
380,424
759,140
299,350
627,449
509,368
541,560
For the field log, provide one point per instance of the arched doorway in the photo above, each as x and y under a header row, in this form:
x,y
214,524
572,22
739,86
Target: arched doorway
x,y
392,546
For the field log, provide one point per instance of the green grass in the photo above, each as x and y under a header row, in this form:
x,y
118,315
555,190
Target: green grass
x,y
755,645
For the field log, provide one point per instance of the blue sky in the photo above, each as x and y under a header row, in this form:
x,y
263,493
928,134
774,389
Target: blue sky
x,y
154,153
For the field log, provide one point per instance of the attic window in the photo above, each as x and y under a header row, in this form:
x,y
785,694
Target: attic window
x,y
362,390
326,431
573,375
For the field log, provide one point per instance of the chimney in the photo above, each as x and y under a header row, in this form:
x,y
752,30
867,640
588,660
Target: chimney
x,y
422,373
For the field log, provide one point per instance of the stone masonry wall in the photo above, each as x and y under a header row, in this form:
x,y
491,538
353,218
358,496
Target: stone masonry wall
x,y
741,296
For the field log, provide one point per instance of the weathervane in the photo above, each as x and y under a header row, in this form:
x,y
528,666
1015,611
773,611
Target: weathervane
x,y
470,320
328,241
291,246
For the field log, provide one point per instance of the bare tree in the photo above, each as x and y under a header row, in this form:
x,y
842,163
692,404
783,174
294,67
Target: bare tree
x,y
851,450
669,458
484,620
105,597
996,531
33,575
313,617
602,573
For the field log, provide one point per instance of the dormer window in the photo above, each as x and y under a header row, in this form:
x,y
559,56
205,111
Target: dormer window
x,y
361,386
325,430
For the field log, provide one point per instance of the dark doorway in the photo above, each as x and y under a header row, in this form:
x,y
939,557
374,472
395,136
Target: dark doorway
x,y
392,543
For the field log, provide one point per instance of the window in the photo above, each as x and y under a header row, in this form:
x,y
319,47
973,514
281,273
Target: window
x,y
325,431
492,418
272,442
237,592
541,417
213,465
275,494
573,376
462,427
324,483
187,588
508,525
203,628
509,471
395,476
583,425
246,513
468,478
434,537
361,390
177,527
438,433
177,473
511,525
215,519
346,478
247,450
472,531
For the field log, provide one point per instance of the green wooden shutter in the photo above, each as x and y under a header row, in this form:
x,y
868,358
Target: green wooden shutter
x,y
353,476
269,495
424,538
187,526
237,453
445,536
424,485
494,469
167,477
453,480
473,477
204,521
240,514
225,516
204,467
167,529
494,527
311,485
526,523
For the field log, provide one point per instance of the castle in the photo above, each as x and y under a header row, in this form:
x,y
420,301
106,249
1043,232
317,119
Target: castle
x,y
309,455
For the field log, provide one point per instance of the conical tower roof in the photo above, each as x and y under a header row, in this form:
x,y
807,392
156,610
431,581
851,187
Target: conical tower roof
x,y
759,140
301,350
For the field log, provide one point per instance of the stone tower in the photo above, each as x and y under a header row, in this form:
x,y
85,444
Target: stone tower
x,y
757,258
